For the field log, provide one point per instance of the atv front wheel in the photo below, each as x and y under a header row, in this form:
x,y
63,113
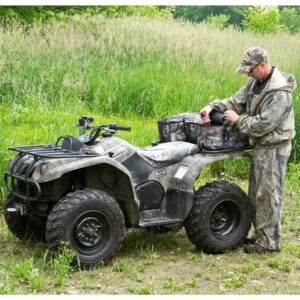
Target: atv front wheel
x,y
90,222
220,217
23,227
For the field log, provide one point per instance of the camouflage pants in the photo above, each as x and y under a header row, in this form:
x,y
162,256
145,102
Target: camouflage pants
x,y
265,191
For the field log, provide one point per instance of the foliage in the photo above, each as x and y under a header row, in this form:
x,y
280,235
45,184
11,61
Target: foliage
x,y
144,290
293,174
235,280
253,18
122,66
60,265
120,265
144,11
201,13
290,19
34,14
263,20
30,273
219,21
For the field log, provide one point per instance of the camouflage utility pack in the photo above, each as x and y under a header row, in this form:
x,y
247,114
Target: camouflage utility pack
x,y
189,127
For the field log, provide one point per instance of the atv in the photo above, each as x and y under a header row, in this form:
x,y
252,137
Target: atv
x,y
86,191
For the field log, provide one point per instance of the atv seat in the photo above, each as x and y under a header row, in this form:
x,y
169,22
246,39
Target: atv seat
x,y
168,153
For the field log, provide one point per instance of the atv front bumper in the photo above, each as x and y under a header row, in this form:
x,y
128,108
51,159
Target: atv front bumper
x,y
31,192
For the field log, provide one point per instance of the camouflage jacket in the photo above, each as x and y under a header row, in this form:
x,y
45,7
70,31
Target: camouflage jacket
x,y
267,118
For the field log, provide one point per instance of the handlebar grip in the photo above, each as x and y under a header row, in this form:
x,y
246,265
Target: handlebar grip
x,y
126,128
118,127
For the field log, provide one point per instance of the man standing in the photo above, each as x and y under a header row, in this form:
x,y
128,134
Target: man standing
x,y
263,110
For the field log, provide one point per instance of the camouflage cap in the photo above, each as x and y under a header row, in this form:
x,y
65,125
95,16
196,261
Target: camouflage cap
x,y
251,58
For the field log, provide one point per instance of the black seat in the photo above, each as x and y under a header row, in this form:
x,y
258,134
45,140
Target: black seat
x,y
72,143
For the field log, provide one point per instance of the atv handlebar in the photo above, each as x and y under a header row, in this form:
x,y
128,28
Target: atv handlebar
x,y
109,129
84,121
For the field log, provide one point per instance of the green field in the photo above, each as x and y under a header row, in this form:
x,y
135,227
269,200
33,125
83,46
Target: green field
x,y
133,71
152,263
127,67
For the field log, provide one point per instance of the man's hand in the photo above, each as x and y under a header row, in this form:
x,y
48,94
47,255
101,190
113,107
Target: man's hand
x,y
204,114
231,116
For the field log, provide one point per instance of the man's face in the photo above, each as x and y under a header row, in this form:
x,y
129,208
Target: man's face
x,y
258,73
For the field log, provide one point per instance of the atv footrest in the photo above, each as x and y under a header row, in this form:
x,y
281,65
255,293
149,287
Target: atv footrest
x,y
157,221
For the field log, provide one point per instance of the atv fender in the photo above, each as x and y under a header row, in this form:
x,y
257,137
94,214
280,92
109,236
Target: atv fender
x,y
55,168
195,164
178,181
102,173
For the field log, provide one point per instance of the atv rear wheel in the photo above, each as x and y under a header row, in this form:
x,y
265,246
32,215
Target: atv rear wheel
x,y
90,222
23,227
220,217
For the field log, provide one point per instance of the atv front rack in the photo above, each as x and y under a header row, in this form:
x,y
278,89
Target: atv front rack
x,y
56,150
51,151
21,170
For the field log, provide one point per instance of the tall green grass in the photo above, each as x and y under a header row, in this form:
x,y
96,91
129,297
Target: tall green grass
x,y
131,68
129,65
110,61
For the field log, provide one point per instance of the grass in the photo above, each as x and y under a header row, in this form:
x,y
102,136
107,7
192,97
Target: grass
x,y
129,70
144,290
30,273
153,263
60,266
132,71
157,264
120,265
129,66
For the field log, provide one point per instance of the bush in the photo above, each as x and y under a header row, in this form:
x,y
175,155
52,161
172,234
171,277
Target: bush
x,y
263,20
36,14
290,20
219,21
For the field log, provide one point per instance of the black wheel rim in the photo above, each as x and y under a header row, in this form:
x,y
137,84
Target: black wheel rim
x,y
91,233
225,218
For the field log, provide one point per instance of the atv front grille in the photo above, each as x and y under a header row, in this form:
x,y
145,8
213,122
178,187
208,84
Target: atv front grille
x,y
18,179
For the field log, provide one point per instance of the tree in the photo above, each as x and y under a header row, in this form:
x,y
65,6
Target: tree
x,y
219,21
200,13
264,20
290,19
31,14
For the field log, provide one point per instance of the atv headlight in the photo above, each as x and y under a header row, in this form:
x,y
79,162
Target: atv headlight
x,y
39,171
43,168
12,160
10,163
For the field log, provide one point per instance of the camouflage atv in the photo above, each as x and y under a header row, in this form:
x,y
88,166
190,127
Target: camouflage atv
x,y
87,191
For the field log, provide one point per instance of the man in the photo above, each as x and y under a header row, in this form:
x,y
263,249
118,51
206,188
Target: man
x,y
263,110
